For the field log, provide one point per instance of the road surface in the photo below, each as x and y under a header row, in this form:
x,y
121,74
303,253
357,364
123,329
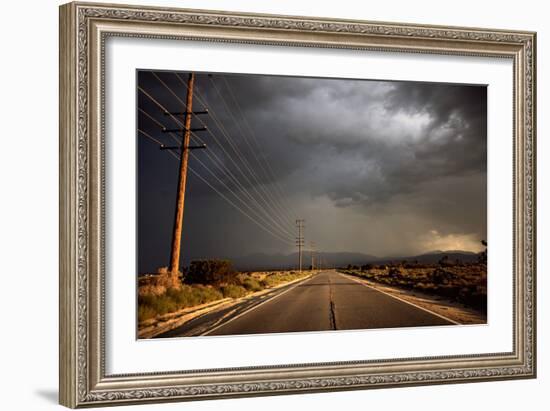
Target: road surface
x,y
327,301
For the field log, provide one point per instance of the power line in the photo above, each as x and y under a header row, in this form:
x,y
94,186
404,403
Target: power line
x,y
237,207
286,241
300,241
312,251
176,139
222,129
224,132
270,203
268,169
187,130
274,224
150,137
237,197
241,188
245,139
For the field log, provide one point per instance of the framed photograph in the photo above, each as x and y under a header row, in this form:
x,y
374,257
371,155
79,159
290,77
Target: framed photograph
x,y
259,204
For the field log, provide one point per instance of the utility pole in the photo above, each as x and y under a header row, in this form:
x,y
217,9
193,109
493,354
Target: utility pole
x,y
300,241
184,159
312,250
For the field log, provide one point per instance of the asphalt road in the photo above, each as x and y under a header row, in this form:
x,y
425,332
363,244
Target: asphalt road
x,y
326,301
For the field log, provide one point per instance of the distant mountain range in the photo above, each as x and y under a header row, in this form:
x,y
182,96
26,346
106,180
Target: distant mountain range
x,y
261,261
433,257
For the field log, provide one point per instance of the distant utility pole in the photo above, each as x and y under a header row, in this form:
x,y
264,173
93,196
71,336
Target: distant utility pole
x,y
184,159
312,250
300,241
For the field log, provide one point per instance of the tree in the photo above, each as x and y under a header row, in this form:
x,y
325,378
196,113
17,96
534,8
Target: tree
x,y
211,272
483,255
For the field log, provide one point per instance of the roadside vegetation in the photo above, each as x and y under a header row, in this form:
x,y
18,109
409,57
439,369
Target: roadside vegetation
x,y
202,282
465,283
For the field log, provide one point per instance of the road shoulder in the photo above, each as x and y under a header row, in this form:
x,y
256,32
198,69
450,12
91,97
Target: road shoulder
x,y
179,318
448,309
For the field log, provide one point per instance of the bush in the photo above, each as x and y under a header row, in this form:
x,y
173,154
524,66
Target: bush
x,y
252,284
397,272
145,312
162,270
441,276
211,272
188,296
163,304
280,277
233,291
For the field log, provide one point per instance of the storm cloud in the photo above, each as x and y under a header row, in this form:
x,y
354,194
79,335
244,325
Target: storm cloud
x,y
383,168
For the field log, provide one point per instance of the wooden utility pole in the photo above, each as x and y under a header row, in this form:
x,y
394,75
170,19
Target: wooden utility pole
x,y
312,255
300,242
180,202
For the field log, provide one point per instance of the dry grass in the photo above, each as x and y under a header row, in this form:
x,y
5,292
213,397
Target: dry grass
x,y
152,305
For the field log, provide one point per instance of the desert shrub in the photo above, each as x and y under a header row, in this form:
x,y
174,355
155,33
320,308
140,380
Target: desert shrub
x,y
154,289
145,312
441,276
396,271
268,281
209,294
188,296
474,296
211,272
427,287
368,275
146,299
185,296
445,261
251,284
151,305
163,304
233,291
277,278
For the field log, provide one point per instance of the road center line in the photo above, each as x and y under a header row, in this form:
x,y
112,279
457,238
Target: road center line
x,y
256,306
331,311
400,299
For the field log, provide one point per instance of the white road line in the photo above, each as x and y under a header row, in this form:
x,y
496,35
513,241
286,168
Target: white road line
x,y
256,306
400,299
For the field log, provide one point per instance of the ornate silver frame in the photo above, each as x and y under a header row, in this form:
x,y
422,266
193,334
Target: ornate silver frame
x,y
83,30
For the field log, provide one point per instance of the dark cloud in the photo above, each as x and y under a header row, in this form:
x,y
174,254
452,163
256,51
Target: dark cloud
x,y
347,155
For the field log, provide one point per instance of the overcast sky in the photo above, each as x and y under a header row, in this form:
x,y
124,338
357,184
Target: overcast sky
x,y
382,168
